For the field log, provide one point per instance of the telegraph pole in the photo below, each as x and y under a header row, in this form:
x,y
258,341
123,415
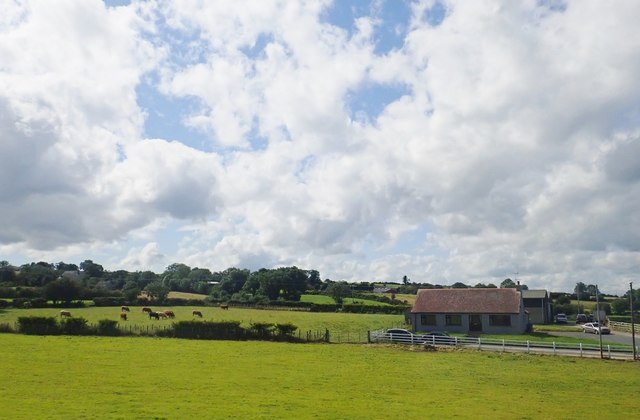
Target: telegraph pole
x,y
599,322
633,324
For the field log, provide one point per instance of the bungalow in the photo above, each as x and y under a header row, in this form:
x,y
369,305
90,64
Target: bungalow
x,y
497,311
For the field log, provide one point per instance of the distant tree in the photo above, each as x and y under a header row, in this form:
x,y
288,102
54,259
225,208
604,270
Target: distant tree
x,y
491,286
92,269
405,280
157,291
130,291
508,284
314,282
592,290
459,285
62,266
581,291
62,290
338,291
7,273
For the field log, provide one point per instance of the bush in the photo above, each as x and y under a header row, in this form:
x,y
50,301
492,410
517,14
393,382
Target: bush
x,y
108,327
74,326
285,330
324,307
206,330
38,303
261,330
38,325
5,327
7,292
109,301
3,304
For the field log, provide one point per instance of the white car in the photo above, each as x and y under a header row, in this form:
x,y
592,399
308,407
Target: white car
x,y
595,328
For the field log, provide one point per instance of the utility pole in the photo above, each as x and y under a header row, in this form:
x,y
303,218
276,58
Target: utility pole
x,y
633,324
599,322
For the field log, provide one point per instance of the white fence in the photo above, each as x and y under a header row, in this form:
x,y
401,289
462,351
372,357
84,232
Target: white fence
x,y
621,326
610,351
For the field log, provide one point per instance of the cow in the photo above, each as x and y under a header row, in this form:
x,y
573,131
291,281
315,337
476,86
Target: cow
x,y
162,315
124,309
170,314
123,316
154,315
65,314
147,310
197,313
224,306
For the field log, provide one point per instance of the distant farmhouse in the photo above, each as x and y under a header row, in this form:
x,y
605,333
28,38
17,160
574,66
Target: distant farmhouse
x,y
492,311
538,304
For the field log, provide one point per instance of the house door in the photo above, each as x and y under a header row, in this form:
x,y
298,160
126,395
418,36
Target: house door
x,y
475,323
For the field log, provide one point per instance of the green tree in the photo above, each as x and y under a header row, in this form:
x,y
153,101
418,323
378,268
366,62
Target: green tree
x,y
157,291
62,290
581,291
508,284
338,291
91,269
130,291
459,285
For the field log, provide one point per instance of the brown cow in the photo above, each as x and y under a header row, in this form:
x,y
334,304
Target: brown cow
x,y
197,313
123,316
224,306
154,315
65,314
162,315
147,310
124,309
170,314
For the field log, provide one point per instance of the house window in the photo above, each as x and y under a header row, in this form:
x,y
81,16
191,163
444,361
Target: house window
x,y
453,320
500,320
428,319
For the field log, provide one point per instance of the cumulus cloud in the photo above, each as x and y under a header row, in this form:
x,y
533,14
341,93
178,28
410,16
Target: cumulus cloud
x,y
510,139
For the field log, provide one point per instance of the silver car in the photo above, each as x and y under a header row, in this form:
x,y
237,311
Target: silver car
x,y
595,328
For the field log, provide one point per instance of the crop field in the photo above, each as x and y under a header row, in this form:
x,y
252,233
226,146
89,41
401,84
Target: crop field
x,y
143,378
354,326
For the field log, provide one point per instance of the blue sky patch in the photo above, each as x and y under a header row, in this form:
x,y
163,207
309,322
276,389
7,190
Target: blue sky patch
x,y
371,99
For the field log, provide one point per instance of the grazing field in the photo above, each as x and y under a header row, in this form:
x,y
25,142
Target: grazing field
x,y
142,378
184,295
338,324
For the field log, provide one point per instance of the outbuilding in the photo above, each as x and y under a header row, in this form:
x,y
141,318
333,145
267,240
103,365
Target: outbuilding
x,y
538,304
491,310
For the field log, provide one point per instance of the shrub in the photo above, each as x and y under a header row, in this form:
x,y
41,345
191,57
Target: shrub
x,y
285,330
38,325
261,330
5,327
38,303
108,327
3,304
206,330
7,292
19,302
74,326
108,301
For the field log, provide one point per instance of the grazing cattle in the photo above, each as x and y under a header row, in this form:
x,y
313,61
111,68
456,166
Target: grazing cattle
x,y
125,309
170,314
154,315
123,316
65,314
147,310
224,306
162,315
197,313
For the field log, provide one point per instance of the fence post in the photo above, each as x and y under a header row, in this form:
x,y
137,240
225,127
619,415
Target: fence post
x,y
609,350
528,348
580,349
368,336
503,345
479,344
554,348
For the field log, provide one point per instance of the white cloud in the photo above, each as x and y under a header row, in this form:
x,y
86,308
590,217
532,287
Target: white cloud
x,y
514,143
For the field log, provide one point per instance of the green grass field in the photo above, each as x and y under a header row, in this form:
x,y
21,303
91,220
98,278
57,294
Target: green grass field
x,y
144,378
338,324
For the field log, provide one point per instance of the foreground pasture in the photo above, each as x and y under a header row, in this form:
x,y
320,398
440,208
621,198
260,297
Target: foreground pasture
x,y
98,377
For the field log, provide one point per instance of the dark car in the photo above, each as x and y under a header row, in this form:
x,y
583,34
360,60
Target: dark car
x,y
581,319
438,337
400,335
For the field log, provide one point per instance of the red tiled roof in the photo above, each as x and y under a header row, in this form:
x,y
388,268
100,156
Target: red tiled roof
x,y
494,301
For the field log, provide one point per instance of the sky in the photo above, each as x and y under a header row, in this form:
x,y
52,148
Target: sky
x,y
448,141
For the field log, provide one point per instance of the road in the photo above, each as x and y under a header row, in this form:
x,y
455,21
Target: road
x,y
616,337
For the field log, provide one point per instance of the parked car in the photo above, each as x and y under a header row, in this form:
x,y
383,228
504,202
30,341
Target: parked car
x,y
400,335
561,318
581,319
595,328
437,337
